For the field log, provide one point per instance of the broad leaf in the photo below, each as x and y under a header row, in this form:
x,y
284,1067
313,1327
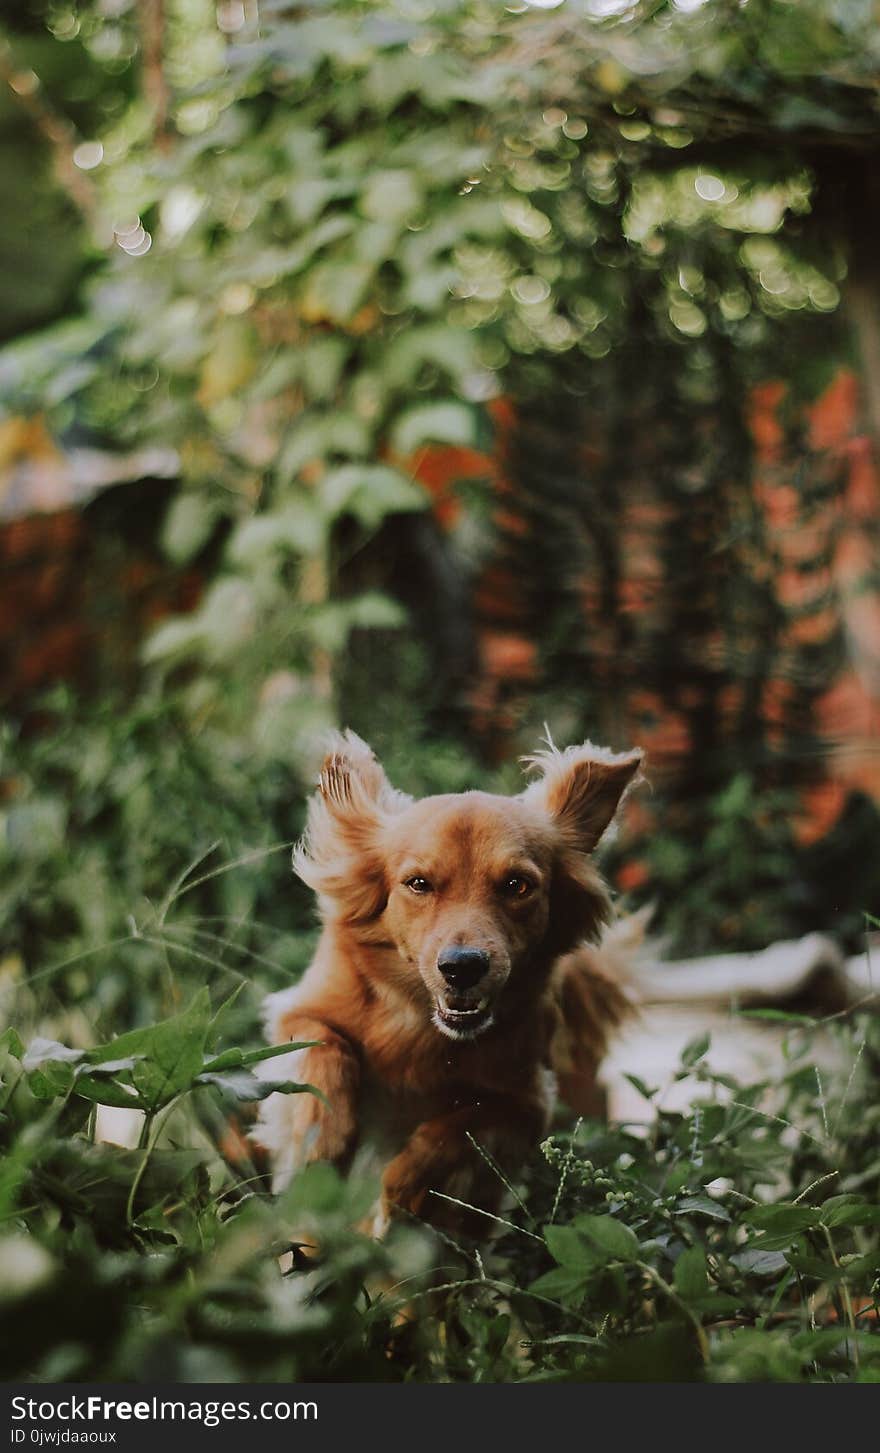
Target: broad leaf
x,y
610,1236
691,1277
244,1086
701,1206
564,1284
448,422
695,1051
10,1041
570,1248
233,1059
169,1055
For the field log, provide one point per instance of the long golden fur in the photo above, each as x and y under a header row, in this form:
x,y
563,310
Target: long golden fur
x,y
459,981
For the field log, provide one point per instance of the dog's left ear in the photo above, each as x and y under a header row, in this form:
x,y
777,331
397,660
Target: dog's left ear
x,y
581,789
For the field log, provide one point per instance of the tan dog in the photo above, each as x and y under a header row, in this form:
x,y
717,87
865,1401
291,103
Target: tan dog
x,y
452,990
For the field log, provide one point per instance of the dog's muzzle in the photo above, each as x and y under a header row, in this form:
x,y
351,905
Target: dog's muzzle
x,y
463,1009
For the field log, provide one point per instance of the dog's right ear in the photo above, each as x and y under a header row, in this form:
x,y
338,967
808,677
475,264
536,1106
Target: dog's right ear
x,y
340,856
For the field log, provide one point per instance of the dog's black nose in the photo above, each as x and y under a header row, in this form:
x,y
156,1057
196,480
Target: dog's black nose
x,y
463,967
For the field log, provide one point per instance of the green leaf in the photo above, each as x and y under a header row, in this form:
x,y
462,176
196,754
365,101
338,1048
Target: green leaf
x,y
563,1284
334,291
783,1218
108,1066
178,637
691,1277
448,422
822,1268
391,195
610,1236
570,1248
51,1081
223,1009
776,1016
36,829
100,1083
370,492
169,1055
320,437
271,1051
50,1067
701,1206
270,263
230,1059
331,625
848,1211
374,611
308,197
107,1092
827,1340
244,1086
433,345
696,1049
297,528
321,365
234,1059
11,1042
756,1262
227,618
188,525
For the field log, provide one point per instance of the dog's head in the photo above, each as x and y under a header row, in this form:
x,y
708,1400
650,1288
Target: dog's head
x,y
477,893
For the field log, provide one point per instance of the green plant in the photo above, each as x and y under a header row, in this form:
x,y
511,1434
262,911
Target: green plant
x,y
148,1070
725,870
312,249
740,1240
696,1241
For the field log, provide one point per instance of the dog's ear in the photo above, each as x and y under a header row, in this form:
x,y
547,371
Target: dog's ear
x,y
579,790
352,783
341,856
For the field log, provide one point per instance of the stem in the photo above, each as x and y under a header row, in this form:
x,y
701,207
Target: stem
x,y
498,1286
670,1292
847,1299
566,1167
153,79
145,1130
11,1088
148,1146
511,1225
56,130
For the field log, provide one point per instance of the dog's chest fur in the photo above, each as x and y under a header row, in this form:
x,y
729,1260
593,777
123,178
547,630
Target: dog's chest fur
x,y
393,1100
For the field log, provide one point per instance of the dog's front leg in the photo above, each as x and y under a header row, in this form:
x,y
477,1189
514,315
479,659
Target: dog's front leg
x,y
299,1129
451,1156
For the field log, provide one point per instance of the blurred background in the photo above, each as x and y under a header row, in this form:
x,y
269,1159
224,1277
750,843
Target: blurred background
x,y
442,369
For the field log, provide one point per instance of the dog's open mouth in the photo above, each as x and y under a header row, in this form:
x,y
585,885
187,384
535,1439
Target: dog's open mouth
x,y
463,1021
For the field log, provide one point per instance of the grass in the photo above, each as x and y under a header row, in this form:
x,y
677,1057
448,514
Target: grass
x,y
739,1241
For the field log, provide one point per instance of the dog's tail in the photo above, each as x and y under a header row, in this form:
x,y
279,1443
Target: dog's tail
x,y
592,998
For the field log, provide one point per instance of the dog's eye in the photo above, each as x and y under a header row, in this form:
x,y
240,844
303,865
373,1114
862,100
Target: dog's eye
x,y
418,885
516,887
